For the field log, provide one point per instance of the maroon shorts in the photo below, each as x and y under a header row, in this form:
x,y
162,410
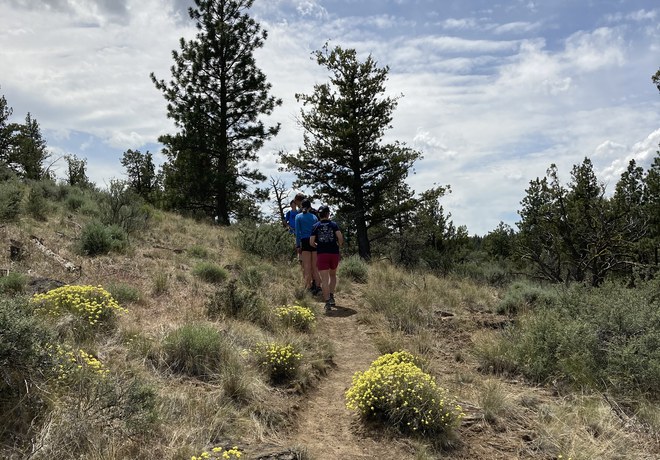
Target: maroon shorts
x,y
327,261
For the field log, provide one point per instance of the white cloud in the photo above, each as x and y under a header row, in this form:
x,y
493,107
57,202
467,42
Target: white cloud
x,y
460,24
642,152
590,51
519,27
488,114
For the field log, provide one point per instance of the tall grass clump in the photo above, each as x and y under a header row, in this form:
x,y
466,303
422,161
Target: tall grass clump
x,y
199,252
235,301
603,338
209,272
124,293
268,241
405,307
355,269
395,391
198,350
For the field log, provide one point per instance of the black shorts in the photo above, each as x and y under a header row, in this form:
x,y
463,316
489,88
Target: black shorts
x,y
305,246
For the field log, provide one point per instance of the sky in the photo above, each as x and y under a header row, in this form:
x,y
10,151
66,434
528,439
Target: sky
x,y
492,92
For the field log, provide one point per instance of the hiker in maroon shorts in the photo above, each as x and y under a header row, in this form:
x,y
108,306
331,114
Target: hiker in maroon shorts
x,y
327,239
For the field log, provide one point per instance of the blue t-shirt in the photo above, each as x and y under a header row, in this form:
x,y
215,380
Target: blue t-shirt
x,y
326,237
304,223
290,218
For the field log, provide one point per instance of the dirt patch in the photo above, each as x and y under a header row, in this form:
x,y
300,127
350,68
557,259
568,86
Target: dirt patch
x,y
324,426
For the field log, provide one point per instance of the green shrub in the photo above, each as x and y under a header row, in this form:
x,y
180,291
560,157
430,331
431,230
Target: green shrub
x,y
97,239
297,317
25,363
521,296
12,284
121,206
489,272
74,201
11,196
355,269
198,350
37,206
394,390
279,360
268,241
606,338
209,272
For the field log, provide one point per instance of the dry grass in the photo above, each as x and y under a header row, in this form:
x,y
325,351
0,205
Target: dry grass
x,y
449,322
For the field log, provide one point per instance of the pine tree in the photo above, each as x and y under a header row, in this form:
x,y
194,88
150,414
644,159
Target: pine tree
x,y
141,173
27,149
216,97
344,159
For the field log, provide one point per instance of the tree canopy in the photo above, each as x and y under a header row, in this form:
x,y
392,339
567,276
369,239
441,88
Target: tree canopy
x,y
216,98
344,158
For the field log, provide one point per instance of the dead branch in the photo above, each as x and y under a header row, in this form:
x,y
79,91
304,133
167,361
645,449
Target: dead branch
x,y
61,260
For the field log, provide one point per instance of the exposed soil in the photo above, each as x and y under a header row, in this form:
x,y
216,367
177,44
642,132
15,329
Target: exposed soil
x,y
324,426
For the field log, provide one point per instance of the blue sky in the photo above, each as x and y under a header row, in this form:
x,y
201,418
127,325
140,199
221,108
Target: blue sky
x,y
493,93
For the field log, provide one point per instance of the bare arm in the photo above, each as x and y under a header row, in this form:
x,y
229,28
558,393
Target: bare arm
x,y
312,241
340,238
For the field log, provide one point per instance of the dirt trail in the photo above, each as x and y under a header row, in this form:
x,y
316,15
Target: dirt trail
x,y
324,425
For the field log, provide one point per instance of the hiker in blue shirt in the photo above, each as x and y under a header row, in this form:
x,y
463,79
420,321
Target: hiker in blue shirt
x,y
290,217
305,220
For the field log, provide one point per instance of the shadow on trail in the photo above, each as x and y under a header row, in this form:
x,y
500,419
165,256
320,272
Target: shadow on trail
x,y
340,312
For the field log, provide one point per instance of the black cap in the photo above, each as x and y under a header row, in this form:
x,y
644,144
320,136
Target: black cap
x,y
324,209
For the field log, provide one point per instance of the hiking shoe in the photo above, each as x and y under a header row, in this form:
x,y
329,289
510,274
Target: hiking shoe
x,y
328,306
331,300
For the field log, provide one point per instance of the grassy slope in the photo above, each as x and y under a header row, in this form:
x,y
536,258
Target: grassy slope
x,y
438,319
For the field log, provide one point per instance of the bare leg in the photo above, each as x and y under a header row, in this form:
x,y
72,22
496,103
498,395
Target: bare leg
x,y
307,268
315,270
325,283
332,278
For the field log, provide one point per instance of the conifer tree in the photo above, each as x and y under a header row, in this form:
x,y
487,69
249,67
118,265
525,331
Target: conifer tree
x,y
216,98
344,158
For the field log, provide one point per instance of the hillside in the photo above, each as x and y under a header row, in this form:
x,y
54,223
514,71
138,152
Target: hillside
x,y
182,375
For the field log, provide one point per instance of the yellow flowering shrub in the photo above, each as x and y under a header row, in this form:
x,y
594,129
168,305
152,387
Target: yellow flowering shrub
x,y
279,360
93,304
396,391
219,453
72,364
297,317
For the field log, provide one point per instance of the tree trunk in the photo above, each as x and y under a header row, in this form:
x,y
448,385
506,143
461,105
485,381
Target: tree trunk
x,y
364,247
